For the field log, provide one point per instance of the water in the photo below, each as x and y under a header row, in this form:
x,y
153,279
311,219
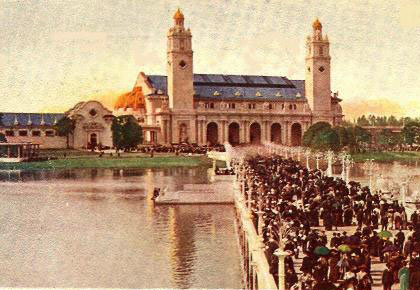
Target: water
x,y
99,228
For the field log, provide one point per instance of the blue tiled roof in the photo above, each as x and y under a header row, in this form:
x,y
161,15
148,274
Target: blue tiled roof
x,y
8,119
249,87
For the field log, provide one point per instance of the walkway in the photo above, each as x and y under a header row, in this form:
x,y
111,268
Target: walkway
x,y
377,266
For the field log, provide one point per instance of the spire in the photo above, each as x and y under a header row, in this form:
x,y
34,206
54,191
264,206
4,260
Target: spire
x,y
29,120
42,120
179,18
317,24
55,120
16,121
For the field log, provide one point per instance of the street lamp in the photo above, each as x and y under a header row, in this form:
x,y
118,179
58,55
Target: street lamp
x,y
349,163
330,158
344,156
281,254
318,156
307,153
370,167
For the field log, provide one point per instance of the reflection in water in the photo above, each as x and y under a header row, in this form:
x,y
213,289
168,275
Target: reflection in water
x,y
99,228
182,256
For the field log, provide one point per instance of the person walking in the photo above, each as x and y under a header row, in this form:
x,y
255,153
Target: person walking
x,y
387,278
404,277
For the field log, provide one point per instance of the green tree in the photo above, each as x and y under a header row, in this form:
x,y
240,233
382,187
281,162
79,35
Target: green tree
x,y
385,137
411,133
343,135
320,136
361,135
326,139
126,132
362,121
392,121
313,131
372,120
65,127
397,138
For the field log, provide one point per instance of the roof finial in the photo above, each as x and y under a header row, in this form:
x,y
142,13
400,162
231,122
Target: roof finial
x,y
29,120
179,18
16,121
178,14
317,24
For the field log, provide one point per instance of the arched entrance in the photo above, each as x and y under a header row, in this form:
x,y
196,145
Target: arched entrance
x,y
233,134
93,140
296,134
183,135
212,134
255,133
276,133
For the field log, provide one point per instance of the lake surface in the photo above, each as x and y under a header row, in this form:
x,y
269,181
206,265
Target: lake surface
x,y
99,228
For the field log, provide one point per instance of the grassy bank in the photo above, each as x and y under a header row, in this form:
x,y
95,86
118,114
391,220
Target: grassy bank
x,y
387,156
93,161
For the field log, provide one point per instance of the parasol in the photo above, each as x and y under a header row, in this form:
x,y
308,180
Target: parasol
x,y
321,251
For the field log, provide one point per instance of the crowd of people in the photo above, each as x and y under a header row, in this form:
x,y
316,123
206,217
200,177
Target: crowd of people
x,y
375,147
182,148
298,207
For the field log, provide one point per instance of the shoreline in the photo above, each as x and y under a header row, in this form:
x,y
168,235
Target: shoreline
x,y
93,161
387,157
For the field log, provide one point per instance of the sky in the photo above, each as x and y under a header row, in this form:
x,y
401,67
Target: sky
x,y
54,54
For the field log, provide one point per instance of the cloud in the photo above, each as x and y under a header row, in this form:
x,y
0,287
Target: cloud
x,y
382,107
106,98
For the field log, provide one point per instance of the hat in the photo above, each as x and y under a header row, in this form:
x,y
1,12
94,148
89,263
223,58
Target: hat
x,y
349,275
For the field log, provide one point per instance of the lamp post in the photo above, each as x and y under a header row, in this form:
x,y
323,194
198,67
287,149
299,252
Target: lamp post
x,y
330,158
349,164
370,167
343,166
317,157
260,214
254,275
405,175
249,201
307,153
298,151
281,254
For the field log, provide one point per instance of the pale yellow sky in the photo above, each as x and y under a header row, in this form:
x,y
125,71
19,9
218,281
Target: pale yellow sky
x,y
56,53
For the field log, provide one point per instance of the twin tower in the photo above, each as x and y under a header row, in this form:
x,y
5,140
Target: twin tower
x,y
181,76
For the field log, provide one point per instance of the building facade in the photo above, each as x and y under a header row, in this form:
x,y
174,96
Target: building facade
x,y
36,128
213,108
185,107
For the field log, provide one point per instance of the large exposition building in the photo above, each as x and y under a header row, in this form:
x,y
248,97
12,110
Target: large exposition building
x,y
213,108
